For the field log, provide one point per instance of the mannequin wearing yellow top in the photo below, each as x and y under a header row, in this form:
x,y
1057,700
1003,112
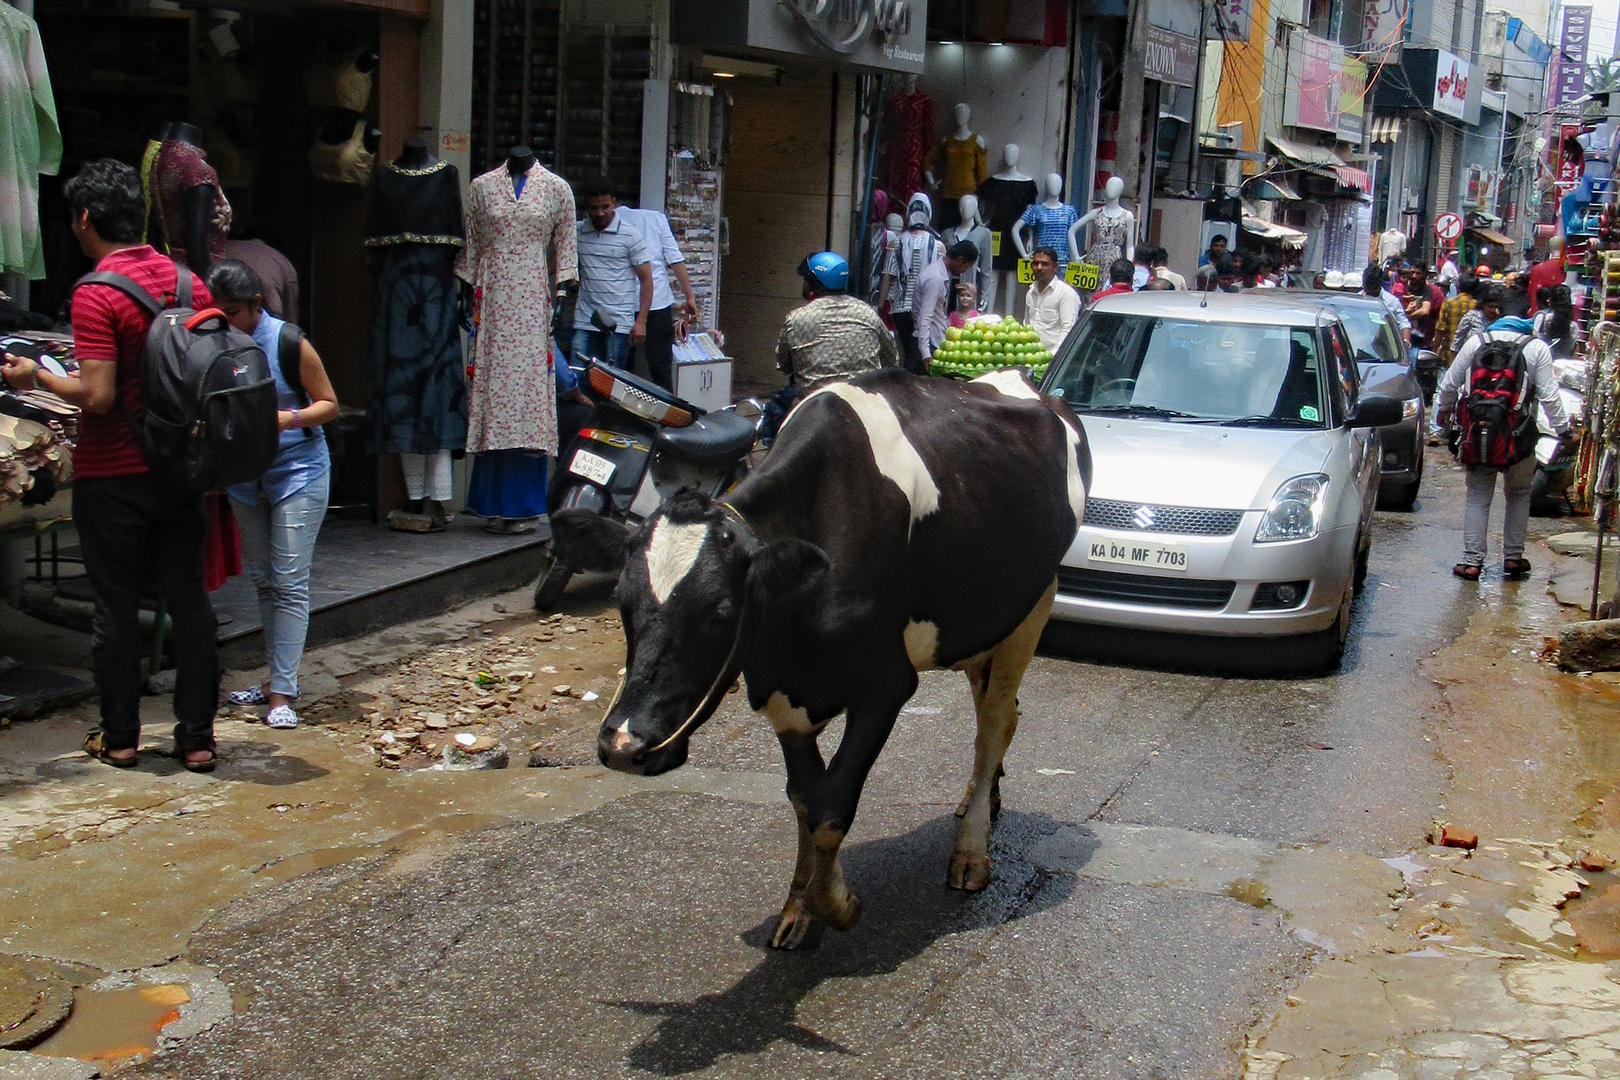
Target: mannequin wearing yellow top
x,y
955,167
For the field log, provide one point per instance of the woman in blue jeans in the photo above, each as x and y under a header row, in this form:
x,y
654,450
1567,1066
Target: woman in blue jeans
x,y
279,515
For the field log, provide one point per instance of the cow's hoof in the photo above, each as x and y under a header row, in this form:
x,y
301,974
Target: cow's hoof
x,y
841,913
796,930
970,873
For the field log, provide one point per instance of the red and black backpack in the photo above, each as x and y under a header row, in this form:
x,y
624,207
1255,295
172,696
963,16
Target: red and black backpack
x,y
1497,427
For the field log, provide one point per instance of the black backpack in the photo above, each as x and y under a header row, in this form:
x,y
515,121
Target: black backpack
x,y
1496,427
210,401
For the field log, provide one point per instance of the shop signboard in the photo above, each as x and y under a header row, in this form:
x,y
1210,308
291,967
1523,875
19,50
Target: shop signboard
x,y
1169,57
1569,165
1311,97
1352,99
1450,84
1569,61
882,35
1384,28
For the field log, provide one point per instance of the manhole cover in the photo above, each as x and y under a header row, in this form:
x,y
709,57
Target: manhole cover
x,y
35,997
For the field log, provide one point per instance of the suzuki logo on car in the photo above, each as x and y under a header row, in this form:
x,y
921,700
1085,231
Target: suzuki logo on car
x,y
1143,518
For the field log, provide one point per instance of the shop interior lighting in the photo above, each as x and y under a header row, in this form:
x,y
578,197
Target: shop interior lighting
x,y
726,67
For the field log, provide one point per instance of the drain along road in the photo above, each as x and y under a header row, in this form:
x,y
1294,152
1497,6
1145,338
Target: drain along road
x,y
1189,878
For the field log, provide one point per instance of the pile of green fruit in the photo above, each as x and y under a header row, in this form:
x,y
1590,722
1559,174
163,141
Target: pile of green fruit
x,y
988,344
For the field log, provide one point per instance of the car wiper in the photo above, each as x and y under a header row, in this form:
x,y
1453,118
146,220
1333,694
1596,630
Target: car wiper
x,y
1142,410
1270,421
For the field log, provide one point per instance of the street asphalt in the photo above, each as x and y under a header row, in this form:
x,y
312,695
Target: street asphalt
x,y
629,939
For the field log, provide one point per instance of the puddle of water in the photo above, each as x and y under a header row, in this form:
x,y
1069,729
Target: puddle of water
x,y
1595,917
1251,891
449,825
1407,865
109,1026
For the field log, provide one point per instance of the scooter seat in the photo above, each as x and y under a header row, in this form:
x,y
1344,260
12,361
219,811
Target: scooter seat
x,y
714,438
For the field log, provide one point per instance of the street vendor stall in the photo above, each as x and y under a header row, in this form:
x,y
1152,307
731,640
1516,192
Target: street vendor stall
x,y
37,433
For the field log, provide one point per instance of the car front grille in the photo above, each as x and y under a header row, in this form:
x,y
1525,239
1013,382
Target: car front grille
x,y
1145,589
1145,517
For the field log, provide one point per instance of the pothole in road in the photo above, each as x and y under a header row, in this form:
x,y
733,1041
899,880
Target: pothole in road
x,y
116,1027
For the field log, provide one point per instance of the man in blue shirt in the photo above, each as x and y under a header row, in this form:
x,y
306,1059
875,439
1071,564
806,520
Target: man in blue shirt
x,y
615,279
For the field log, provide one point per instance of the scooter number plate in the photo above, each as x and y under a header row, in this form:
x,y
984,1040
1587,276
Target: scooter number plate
x,y
593,468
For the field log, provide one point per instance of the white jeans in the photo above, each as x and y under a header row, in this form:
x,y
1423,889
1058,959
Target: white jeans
x,y
1516,482
278,546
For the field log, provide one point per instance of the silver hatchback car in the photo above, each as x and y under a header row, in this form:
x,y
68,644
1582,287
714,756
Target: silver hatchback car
x,y
1235,466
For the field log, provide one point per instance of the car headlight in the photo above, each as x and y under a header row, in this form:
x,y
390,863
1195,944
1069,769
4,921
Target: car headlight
x,y
1295,512
1411,407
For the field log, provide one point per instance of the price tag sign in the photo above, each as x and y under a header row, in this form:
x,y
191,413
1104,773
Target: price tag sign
x,y
1026,272
995,245
1083,275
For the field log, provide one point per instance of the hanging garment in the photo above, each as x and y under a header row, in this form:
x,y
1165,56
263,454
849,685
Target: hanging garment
x,y
347,162
963,165
508,484
1109,235
418,391
514,244
175,168
1052,227
911,125
30,142
1002,203
336,82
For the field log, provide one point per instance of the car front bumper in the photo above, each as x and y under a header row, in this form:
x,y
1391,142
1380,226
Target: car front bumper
x,y
1402,452
1198,602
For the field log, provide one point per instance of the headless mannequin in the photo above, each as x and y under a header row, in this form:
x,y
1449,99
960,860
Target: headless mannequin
x,y
971,228
1053,201
414,155
197,204
519,160
1111,212
955,166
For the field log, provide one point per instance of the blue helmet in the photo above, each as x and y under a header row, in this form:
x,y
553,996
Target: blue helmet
x,y
828,269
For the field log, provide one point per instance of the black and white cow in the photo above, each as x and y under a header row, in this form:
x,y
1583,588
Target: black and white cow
x,y
899,524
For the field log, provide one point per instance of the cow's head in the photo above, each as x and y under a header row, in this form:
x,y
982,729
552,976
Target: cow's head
x,y
694,583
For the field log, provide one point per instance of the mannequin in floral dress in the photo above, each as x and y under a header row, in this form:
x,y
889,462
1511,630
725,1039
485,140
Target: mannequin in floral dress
x,y
1113,230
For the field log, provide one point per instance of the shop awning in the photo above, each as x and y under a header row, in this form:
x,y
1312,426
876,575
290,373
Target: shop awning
x,y
1269,230
1491,236
1270,187
1384,129
1352,177
1306,154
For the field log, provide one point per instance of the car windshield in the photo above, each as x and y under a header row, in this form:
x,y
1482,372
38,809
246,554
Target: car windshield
x,y
1186,371
1370,334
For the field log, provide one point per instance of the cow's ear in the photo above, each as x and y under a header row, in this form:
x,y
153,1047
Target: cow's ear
x,y
589,541
787,571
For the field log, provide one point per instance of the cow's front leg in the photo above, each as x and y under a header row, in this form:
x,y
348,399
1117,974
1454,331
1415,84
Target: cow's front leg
x,y
805,767
997,707
831,807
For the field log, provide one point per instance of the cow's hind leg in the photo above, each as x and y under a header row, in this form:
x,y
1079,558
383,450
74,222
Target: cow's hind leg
x,y
995,698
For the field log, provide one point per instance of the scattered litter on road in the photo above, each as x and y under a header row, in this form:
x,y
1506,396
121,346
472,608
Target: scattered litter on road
x,y
589,695
1055,772
466,739
1318,746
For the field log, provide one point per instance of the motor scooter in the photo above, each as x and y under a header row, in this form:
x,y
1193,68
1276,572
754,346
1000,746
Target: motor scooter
x,y
637,447
1555,460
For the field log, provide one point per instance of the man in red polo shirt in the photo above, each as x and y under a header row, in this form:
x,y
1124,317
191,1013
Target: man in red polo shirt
x,y
1120,273
134,532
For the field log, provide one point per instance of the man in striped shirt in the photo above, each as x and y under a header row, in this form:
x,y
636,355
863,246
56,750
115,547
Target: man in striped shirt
x,y
615,279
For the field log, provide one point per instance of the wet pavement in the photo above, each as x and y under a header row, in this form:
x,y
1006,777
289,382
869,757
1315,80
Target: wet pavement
x,y
1195,876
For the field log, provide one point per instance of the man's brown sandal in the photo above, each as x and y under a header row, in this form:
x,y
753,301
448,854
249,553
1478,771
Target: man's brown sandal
x,y
1467,571
1516,569
95,744
204,766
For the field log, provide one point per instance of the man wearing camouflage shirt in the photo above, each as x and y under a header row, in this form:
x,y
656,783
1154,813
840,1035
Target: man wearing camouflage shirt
x,y
835,335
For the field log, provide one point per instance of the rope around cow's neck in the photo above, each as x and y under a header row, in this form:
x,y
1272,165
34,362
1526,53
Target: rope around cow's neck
x,y
711,700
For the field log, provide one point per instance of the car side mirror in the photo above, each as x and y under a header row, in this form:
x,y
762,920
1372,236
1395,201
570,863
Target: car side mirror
x,y
1375,410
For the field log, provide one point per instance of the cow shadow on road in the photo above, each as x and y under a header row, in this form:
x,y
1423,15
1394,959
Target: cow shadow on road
x,y
907,911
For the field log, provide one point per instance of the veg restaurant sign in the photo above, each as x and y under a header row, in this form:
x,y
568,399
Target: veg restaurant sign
x,y
1170,57
1450,84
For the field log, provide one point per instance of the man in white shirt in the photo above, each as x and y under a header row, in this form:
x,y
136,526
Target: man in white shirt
x,y
1052,305
1160,261
1447,276
615,280
933,295
659,349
